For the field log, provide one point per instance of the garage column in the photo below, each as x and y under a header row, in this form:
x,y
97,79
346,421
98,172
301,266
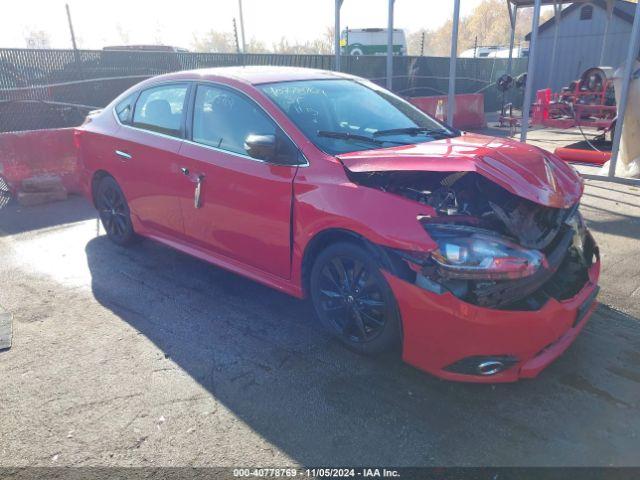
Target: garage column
x,y
336,35
526,106
390,46
634,44
513,12
451,100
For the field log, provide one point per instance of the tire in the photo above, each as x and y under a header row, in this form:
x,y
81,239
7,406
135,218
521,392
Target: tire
x,y
353,301
114,212
5,193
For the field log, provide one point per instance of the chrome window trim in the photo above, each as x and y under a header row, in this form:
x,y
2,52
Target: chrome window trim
x,y
246,157
220,150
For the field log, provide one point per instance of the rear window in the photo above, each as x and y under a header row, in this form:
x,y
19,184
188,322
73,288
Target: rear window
x,y
160,109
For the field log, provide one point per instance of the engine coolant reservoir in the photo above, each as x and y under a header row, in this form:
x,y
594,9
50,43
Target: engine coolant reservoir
x,y
628,164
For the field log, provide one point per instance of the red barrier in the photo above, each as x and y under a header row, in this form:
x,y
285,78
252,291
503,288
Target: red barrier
x,y
469,111
39,152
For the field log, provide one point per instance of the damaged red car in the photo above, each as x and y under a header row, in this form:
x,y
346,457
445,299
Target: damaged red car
x,y
467,251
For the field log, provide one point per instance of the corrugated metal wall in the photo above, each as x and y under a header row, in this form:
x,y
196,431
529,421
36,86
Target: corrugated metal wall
x,y
579,47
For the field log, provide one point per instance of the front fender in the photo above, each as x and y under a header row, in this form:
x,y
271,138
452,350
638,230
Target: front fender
x,y
382,218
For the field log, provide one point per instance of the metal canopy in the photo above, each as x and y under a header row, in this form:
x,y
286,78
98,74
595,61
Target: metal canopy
x,y
514,6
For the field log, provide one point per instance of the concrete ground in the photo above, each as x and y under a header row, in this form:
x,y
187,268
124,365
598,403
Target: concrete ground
x,y
145,356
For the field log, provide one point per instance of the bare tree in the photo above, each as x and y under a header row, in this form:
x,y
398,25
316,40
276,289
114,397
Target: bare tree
x,y
488,22
256,46
212,41
123,34
223,42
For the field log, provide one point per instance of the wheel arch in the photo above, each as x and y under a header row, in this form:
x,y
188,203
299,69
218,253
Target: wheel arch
x,y
323,239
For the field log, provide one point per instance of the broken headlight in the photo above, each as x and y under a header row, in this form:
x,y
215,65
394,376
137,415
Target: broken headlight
x,y
470,253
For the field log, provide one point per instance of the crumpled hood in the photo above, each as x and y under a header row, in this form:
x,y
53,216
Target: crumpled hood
x,y
522,169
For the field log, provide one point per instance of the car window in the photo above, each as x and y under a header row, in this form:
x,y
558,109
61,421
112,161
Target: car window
x,y
125,108
160,109
223,119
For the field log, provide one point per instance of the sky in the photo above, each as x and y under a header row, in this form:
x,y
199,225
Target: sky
x,y
115,22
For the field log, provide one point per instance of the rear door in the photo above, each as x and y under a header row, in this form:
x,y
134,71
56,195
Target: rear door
x,y
244,209
147,147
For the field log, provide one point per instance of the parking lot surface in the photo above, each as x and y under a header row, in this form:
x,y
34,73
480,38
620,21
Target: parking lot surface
x,y
145,356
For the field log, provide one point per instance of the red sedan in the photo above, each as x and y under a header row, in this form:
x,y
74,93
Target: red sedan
x,y
467,251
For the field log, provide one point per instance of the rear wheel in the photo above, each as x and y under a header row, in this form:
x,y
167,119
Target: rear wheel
x,y
353,300
114,212
5,193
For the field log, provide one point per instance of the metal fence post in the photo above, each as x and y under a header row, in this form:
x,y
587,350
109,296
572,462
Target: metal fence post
x,y
390,46
451,100
336,35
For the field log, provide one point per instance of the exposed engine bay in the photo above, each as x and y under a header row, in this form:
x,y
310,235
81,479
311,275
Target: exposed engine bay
x,y
553,246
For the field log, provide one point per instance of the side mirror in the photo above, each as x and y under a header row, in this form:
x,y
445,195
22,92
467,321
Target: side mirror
x,y
262,147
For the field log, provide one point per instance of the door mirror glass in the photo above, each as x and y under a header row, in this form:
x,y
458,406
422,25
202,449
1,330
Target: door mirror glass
x,y
261,146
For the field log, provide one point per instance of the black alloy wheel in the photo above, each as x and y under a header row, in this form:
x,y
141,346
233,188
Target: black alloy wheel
x,y
353,300
114,212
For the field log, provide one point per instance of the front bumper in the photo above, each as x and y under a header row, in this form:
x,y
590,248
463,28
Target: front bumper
x,y
439,330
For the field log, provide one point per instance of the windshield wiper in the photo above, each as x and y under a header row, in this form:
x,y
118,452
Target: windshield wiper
x,y
355,137
412,131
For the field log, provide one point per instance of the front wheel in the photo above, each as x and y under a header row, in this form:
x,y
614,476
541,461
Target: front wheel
x,y
114,212
353,300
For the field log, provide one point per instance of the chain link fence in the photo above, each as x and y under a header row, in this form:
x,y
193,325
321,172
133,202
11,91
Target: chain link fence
x,y
56,88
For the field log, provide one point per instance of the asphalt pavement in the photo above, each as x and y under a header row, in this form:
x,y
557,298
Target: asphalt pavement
x,y
145,356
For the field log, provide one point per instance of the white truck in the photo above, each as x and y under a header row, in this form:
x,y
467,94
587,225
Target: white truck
x,y
371,41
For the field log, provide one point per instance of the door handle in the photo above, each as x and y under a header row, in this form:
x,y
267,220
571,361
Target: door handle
x,y
197,203
123,155
184,170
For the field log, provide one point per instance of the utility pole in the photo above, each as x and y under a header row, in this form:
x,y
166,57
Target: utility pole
x,y
235,35
73,36
422,44
244,44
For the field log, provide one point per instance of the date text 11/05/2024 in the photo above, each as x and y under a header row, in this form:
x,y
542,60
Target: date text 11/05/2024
x,y
317,472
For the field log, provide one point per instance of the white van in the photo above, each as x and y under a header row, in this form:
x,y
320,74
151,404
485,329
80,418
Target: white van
x,y
371,41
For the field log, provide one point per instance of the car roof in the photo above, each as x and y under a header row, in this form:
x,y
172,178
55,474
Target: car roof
x,y
256,74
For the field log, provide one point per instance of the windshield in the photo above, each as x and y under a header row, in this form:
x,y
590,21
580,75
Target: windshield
x,y
341,116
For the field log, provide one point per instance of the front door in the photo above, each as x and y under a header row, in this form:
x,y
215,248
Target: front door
x,y
242,206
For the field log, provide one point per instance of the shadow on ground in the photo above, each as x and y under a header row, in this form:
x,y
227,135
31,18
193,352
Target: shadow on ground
x,y
263,356
15,219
